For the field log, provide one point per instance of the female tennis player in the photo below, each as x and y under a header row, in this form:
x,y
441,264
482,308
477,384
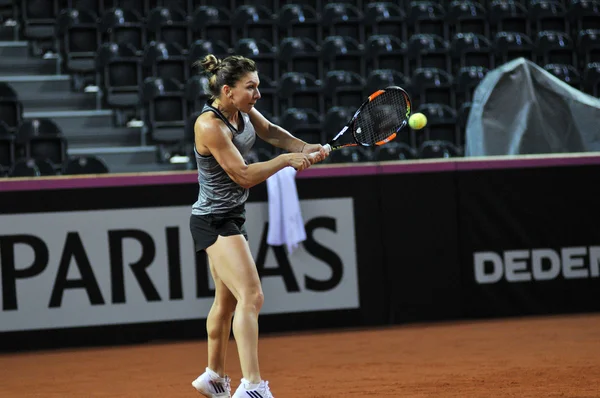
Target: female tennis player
x,y
224,133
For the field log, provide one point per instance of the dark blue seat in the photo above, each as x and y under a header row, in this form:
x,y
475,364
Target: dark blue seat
x,y
386,18
300,54
300,20
166,109
301,90
80,39
169,25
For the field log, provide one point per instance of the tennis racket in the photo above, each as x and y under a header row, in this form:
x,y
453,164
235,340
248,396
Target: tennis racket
x,y
377,121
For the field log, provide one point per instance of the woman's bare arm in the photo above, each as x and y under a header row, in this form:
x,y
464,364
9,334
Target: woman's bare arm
x,y
274,134
212,135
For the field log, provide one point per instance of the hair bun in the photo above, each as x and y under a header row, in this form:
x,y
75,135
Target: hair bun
x,y
211,64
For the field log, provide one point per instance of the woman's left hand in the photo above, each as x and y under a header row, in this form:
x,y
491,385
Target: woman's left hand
x,y
319,153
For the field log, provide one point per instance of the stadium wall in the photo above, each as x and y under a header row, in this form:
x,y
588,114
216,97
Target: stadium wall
x,y
109,260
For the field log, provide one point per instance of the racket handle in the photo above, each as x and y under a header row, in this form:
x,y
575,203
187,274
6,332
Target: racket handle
x,y
327,147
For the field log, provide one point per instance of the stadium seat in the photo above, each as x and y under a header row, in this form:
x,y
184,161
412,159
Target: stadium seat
x,y
462,114
96,7
79,39
42,127
272,5
348,155
301,90
302,123
24,168
7,148
121,71
588,45
47,167
441,124
472,49
123,26
11,108
548,15
85,165
428,17
196,92
165,109
386,52
467,79
335,119
433,85
212,23
299,54
262,52
394,151
166,60
379,79
141,7
428,51
39,18
584,14
201,48
555,48
269,101
343,53
256,22
169,25
438,150
343,19
465,16
386,18
591,79
509,16
567,73
344,88
300,20
51,148
42,139
512,45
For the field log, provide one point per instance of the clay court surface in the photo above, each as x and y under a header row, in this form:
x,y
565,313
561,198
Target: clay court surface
x,y
527,357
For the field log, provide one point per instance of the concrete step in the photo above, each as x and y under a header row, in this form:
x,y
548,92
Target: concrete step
x,y
8,33
22,66
76,122
13,49
29,86
59,101
123,159
98,138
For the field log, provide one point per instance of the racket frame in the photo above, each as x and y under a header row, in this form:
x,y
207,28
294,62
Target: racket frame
x,y
331,145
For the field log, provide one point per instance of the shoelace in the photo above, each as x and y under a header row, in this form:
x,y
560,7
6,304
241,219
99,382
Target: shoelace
x,y
268,390
227,384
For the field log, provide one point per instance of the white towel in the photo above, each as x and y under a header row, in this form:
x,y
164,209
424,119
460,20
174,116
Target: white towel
x,y
286,225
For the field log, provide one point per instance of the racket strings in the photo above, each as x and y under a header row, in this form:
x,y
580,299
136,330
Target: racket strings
x,y
382,118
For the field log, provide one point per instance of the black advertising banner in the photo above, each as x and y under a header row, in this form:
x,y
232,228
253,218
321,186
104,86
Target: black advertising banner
x,y
419,221
529,240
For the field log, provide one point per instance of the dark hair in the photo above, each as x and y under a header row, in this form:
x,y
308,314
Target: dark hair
x,y
226,71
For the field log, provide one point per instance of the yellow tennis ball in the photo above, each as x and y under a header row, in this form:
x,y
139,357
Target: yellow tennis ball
x,y
417,121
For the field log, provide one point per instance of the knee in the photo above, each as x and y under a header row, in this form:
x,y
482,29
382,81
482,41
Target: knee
x,y
224,309
253,299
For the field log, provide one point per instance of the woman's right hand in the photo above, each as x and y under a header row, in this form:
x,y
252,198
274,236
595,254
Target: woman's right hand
x,y
299,161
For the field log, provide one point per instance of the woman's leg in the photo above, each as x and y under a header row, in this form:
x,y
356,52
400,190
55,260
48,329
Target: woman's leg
x,y
218,323
236,269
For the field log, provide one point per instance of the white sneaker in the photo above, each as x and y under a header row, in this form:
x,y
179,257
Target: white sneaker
x,y
262,391
212,387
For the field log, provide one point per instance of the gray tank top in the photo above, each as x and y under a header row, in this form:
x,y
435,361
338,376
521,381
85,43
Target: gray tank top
x,y
218,192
